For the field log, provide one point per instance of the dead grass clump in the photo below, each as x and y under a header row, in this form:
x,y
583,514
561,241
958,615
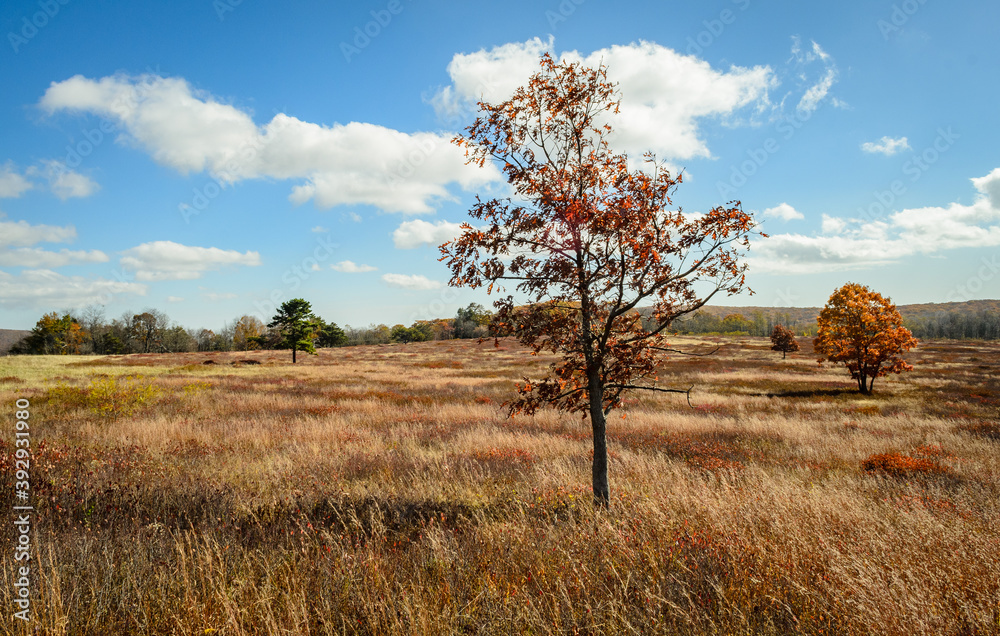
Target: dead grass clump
x,y
985,430
11,379
902,466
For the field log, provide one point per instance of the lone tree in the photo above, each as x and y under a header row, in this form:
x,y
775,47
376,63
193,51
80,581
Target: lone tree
x,y
783,340
587,240
295,322
862,329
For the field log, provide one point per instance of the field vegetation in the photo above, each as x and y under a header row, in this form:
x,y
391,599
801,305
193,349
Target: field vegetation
x,y
382,490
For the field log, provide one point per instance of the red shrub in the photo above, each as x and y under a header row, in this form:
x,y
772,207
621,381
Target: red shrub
x,y
897,465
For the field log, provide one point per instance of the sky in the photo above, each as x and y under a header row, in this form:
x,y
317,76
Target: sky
x,y
214,158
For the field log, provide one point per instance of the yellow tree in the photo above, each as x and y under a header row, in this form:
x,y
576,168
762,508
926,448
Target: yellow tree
x,y
245,333
587,239
864,330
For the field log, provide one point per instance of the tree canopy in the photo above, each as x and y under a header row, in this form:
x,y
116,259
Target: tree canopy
x,y
863,329
296,324
587,238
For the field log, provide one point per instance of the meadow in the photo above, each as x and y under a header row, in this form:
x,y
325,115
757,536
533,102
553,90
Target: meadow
x,y
382,490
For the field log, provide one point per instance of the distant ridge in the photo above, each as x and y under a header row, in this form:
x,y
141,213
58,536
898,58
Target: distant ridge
x,y
908,311
8,337
975,319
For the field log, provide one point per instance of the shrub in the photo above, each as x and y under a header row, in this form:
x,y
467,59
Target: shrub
x,y
116,396
897,465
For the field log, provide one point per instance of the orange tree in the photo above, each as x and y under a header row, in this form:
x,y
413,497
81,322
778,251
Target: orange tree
x,y
864,330
783,340
585,239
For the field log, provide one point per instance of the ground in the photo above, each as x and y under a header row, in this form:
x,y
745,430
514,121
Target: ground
x,y
382,490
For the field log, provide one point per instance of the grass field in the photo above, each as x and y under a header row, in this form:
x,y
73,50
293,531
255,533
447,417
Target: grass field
x,y
380,490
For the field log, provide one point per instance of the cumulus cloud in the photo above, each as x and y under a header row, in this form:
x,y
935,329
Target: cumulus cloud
x,y
18,237
783,211
412,234
44,288
833,225
860,243
886,146
166,260
663,93
12,184
191,131
38,258
415,281
350,267
65,183
23,234
175,299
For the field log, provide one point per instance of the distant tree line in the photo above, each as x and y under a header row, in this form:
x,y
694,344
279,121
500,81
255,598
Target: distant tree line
x,y
958,325
955,324
88,331
757,324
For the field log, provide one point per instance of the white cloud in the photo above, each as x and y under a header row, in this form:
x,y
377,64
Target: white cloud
x,y
833,225
412,234
166,260
350,267
12,184
416,281
174,299
319,229
820,88
858,244
354,163
811,99
23,234
66,183
783,211
37,258
663,93
216,296
886,145
990,186
44,288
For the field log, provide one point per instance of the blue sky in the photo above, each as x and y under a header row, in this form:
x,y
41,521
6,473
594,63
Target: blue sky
x,y
208,158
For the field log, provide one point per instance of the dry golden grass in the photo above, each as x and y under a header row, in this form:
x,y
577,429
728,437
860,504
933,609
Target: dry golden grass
x,y
380,490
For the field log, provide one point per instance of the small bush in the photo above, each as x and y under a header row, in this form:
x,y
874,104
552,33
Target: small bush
x,y
120,396
897,465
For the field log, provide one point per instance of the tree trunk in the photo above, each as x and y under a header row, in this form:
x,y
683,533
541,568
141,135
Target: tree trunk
x,y
293,354
602,492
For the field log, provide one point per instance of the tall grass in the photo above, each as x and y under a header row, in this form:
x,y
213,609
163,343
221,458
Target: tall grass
x,y
379,490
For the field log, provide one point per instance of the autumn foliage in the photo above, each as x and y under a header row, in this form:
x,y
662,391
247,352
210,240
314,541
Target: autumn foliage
x,y
863,329
586,239
783,340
